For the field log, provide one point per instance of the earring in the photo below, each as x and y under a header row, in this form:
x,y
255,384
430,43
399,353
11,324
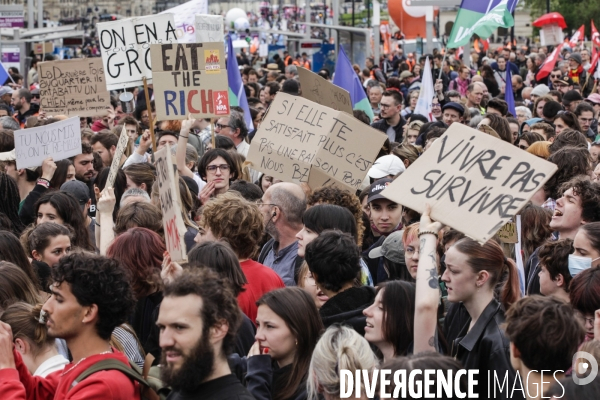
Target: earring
x,y
296,342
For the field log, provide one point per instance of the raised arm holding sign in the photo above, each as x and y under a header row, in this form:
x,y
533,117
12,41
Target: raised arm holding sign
x,y
474,182
167,180
116,162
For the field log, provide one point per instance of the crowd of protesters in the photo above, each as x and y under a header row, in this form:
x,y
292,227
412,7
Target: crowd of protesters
x,y
286,285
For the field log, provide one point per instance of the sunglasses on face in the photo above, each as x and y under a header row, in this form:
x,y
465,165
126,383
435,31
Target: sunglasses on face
x,y
556,76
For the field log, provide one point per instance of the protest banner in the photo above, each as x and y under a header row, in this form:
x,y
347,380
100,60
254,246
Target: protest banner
x,y
59,140
184,16
167,180
474,182
320,90
210,28
73,87
302,141
190,79
116,162
125,47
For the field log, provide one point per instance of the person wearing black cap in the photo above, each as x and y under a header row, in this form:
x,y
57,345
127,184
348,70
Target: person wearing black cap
x,y
386,218
571,100
452,112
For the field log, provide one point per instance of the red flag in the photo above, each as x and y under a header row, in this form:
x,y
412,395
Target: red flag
x,y
594,63
577,36
595,35
549,63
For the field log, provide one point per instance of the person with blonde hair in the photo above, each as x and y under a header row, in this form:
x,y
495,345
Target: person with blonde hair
x,y
37,349
340,348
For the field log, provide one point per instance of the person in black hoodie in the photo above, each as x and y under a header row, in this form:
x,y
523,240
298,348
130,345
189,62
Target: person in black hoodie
x,y
473,323
333,258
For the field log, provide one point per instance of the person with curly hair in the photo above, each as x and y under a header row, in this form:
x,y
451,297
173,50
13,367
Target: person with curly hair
x,y
577,206
91,296
571,162
240,223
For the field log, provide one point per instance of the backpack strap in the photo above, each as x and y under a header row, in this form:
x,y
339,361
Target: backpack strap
x,y
132,371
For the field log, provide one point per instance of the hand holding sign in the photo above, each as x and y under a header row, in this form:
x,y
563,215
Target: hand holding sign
x,y
48,168
426,224
107,201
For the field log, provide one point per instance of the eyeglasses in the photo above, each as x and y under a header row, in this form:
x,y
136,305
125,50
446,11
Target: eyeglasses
x,y
222,168
385,105
260,203
219,126
556,76
585,319
436,105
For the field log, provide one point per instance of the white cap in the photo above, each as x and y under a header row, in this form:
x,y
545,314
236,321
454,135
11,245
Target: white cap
x,y
386,165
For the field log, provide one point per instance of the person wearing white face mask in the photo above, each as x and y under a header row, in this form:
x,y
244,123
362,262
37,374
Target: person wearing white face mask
x,y
577,207
587,248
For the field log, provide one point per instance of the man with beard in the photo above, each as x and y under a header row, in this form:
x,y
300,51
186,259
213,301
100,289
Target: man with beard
x,y
21,102
198,321
282,207
391,122
91,296
84,171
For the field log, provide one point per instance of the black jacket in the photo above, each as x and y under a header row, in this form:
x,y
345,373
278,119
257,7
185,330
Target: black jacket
x,y
225,387
347,307
383,126
485,348
261,376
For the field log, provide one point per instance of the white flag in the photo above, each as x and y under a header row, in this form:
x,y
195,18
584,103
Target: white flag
x,y
424,104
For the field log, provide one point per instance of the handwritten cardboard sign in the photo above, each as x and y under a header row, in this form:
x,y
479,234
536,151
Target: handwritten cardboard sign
x,y
116,162
73,87
474,182
59,140
302,141
125,47
167,180
320,90
191,79
209,28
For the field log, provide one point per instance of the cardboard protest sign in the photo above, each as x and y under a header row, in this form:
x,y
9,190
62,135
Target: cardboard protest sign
x,y
167,180
474,182
116,162
190,79
59,140
125,47
302,141
210,28
320,90
73,87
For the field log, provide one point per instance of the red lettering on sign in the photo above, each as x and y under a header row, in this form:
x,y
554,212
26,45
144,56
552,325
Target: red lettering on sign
x,y
221,102
173,238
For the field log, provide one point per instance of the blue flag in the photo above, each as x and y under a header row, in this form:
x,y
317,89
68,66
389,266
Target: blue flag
x,y
346,78
3,75
237,95
509,97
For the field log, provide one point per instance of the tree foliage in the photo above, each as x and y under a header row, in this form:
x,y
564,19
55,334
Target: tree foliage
x,y
575,12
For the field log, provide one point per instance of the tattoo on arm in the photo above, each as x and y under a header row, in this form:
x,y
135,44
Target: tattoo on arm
x,y
433,278
421,245
432,341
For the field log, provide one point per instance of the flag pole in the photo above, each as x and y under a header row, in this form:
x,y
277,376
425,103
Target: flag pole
x,y
212,132
151,122
442,66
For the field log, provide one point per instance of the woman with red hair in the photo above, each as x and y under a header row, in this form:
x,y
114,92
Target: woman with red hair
x,y
140,251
